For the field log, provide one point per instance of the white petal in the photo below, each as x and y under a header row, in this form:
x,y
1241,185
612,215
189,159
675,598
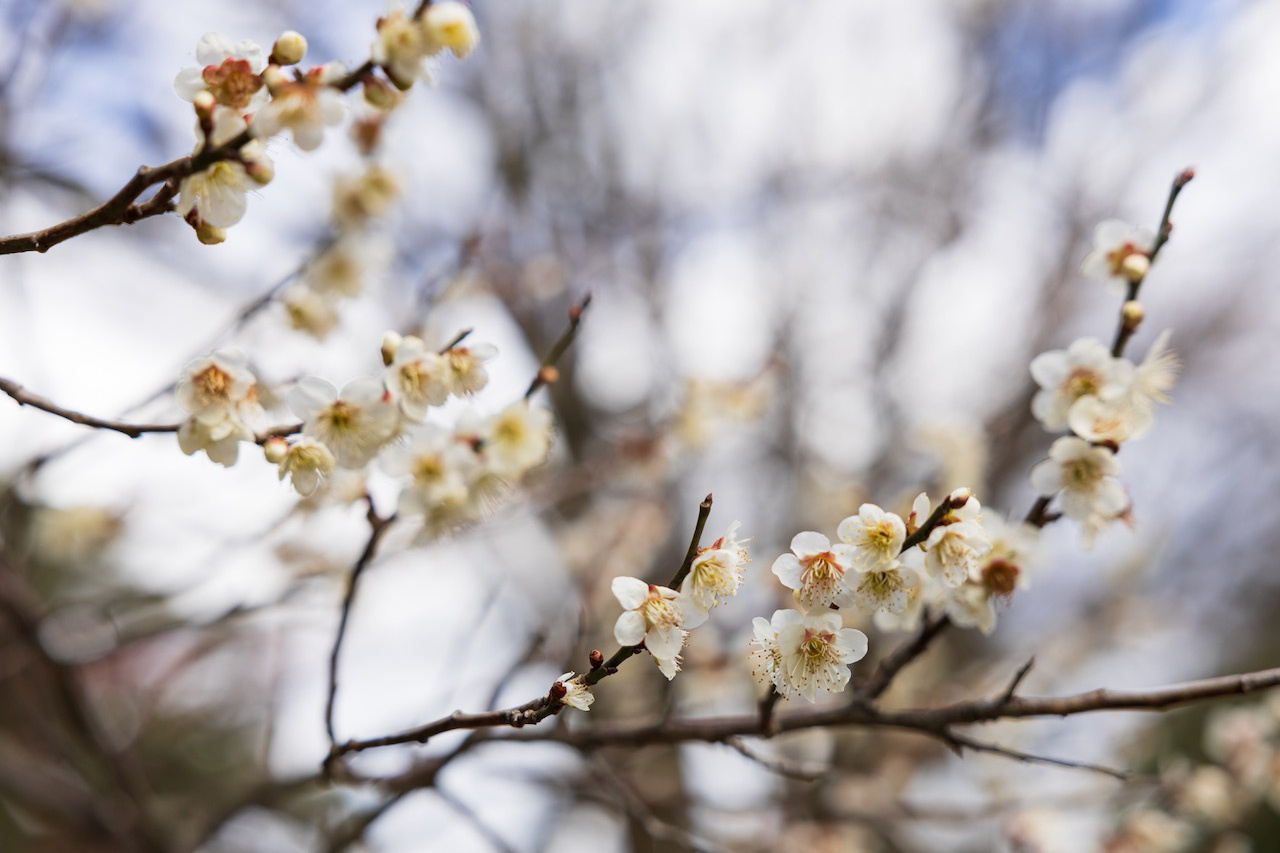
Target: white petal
x,y
664,641
629,629
631,593
311,395
808,542
787,568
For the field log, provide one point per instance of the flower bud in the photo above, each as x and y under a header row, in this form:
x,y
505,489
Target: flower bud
x,y
261,171
597,658
958,498
558,690
1135,266
377,93
210,235
390,344
275,449
289,48
1132,314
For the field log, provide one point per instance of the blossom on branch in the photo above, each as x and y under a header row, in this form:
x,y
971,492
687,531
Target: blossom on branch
x,y
417,378
216,195
815,569
717,571
516,440
213,387
799,654
1086,369
875,535
307,462
576,693
955,545
303,107
354,425
657,616
1086,476
441,467
1121,253
230,72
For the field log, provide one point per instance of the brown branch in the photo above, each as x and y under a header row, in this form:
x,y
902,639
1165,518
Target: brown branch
x,y
547,373
377,528
26,398
929,721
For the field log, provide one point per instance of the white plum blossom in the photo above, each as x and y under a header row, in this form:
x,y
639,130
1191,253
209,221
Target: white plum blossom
x,y
1086,476
220,439
441,467
1154,377
217,194
1001,572
230,72
466,367
354,425
401,47
516,440
214,387
307,462
815,569
884,588
303,107
717,571
1084,369
1121,253
417,378
800,654
955,545
449,25
576,693
875,535
309,312
657,616
366,196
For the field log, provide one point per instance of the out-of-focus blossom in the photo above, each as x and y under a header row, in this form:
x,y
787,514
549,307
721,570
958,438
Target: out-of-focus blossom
x,y
354,425
1121,253
230,72
303,107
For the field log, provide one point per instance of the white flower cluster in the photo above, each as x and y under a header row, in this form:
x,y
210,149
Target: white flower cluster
x,y
661,617
1104,400
959,567
235,89
449,473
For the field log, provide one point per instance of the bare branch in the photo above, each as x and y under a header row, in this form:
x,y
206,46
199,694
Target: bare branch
x,y
547,368
26,398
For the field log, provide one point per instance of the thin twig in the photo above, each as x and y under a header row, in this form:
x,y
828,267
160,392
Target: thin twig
x,y
961,742
530,713
774,766
547,369
377,527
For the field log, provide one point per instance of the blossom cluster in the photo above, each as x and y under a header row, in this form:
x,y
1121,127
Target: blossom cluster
x,y
242,98
449,473
885,567
1102,398
661,618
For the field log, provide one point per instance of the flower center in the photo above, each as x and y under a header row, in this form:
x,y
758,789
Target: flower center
x,y
1081,382
232,83
1000,577
212,385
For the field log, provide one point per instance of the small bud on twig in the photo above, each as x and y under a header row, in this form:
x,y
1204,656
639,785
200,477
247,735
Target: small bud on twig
x,y
597,658
1132,315
289,48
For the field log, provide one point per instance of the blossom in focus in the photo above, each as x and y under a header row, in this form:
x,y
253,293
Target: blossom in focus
x,y
307,462
885,587
1084,369
717,571
417,378
1121,253
657,616
303,107
875,535
815,569
449,25
517,440
354,425
800,654
1086,476
230,72
577,694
